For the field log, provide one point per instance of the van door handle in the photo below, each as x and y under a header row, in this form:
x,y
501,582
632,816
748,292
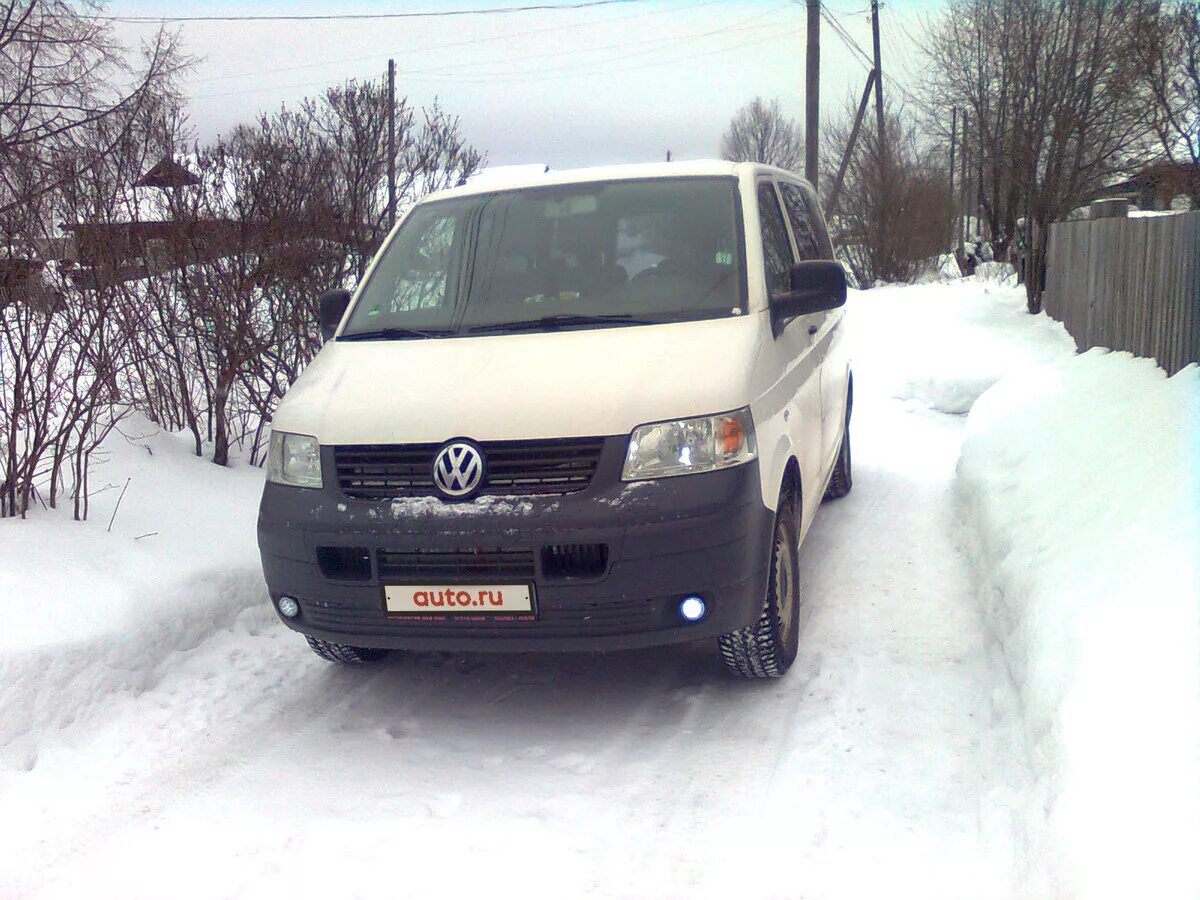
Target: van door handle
x,y
813,329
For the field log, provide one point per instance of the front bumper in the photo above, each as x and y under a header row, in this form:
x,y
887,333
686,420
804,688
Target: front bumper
x,y
703,534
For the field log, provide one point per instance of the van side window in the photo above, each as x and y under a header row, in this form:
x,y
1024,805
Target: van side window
x,y
777,250
804,227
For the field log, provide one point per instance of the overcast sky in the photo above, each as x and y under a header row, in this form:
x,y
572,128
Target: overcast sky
x,y
619,83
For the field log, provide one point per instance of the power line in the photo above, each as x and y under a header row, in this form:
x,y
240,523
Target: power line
x,y
446,46
893,44
345,17
846,39
515,77
656,45
538,75
569,70
867,61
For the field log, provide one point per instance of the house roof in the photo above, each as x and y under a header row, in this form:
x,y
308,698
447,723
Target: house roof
x,y
1172,176
167,173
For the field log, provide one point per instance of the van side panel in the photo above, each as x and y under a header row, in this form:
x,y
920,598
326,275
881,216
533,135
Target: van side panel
x,y
787,413
785,383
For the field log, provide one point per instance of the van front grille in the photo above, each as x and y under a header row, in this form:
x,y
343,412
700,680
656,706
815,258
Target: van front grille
x,y
514,468
483,563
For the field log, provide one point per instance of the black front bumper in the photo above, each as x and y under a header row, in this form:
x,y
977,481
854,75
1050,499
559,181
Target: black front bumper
x,y
698,534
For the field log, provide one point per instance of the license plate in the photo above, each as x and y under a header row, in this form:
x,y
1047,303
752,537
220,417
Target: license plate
x,y
458,599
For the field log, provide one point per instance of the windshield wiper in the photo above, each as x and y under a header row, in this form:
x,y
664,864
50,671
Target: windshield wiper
x,y
393,334
562,320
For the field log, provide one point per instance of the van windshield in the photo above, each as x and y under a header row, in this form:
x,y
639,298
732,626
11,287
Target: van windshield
x,y
573,256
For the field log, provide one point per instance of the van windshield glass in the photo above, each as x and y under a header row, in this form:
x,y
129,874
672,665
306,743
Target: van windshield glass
x,y
573,256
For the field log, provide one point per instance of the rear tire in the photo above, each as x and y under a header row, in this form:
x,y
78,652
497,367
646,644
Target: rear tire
x,y
842,478
768,648
344,653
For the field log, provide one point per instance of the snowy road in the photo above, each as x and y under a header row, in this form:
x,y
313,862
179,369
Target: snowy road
x,y
885,762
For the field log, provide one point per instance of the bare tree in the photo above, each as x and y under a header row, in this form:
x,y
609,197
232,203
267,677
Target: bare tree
x,y
1053,96
760,132
60,71
1171,74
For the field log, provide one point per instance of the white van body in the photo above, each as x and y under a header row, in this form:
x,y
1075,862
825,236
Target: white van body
x,y
793,375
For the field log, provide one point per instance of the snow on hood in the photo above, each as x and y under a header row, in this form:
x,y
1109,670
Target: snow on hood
x,y
600,381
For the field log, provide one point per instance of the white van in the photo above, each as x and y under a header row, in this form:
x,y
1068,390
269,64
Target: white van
x,y
594,409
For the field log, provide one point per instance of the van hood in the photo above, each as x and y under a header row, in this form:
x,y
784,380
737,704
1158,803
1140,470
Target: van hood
x,y
588,382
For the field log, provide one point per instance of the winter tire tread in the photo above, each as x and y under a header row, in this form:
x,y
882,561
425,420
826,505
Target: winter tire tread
x,y
344,653
756,651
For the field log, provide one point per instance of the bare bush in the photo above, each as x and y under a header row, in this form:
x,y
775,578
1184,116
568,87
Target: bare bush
x,y
196,303
431,154
894,211
63,344
286,208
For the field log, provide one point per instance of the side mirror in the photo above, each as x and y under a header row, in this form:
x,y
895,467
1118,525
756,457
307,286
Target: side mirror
x,y
818,285
331,306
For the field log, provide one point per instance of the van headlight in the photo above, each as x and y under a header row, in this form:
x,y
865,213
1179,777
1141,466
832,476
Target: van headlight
x,y
690,445
294,459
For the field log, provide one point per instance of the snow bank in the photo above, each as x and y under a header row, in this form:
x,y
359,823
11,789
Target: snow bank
x,y
1079,483
88,612
939,346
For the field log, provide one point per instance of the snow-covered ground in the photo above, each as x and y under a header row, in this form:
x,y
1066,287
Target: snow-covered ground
x,y
1079,484
974,627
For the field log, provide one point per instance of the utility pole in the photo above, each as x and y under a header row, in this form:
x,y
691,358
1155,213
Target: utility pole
x,y
391,143
812,90
953,140
878,74
980,196
965,208
966,177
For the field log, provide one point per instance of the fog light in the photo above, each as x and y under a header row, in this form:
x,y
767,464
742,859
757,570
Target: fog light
x,y
692,608
289,607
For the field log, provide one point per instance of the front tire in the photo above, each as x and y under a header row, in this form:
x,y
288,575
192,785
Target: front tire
x,y
768,648
344,653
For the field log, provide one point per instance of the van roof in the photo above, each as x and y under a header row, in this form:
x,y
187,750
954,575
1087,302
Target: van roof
x,y
528,176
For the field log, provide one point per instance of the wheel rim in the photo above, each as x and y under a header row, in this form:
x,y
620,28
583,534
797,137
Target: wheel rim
x,y
785,592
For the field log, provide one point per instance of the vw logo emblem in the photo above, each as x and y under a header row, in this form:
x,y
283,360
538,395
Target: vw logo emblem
x,y
458,469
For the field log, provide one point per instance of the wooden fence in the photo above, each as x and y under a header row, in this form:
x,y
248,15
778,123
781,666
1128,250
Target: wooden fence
x,y
1129,284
